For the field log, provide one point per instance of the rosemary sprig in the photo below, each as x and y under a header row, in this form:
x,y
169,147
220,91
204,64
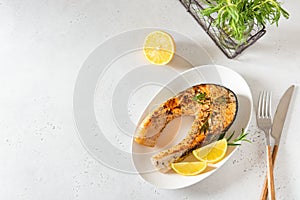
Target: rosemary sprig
x,y
239,139
200,98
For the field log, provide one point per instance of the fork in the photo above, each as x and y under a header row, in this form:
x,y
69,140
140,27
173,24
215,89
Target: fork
x,y
264,122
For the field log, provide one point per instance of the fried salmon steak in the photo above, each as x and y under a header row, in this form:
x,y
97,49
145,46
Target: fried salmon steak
x,y
214,108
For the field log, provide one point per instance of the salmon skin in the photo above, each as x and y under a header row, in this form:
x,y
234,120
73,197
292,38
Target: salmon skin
x,y
214,108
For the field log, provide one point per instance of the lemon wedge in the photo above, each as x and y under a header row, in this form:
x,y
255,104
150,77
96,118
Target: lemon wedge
x,y
189,168
159,47
213,152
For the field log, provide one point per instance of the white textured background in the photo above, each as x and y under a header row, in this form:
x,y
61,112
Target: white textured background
x,y
42,47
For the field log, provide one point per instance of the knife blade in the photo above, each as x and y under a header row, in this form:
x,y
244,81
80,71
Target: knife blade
x,y
280,114
276,131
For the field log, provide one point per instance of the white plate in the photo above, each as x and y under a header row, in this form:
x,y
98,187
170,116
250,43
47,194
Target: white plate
x,y
203,74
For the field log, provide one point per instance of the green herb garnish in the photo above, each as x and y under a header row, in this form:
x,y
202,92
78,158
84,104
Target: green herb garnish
x,y
200,98
239,139
237,17
205,126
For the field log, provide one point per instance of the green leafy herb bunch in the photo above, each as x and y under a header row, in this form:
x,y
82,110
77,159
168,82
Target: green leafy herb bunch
x,y
236,17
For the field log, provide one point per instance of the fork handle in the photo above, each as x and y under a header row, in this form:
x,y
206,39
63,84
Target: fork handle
x,y
270,173
264,194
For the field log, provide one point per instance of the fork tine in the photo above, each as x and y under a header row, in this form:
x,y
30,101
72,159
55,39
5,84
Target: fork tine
x,y
264,104
259,105
269,104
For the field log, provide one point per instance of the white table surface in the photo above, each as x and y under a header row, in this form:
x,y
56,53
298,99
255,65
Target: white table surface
x,y
43,45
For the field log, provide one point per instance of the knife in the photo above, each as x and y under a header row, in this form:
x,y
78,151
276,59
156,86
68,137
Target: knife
x,y
277,127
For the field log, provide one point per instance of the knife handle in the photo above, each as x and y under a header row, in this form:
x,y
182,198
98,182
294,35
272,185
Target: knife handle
x,y
264,194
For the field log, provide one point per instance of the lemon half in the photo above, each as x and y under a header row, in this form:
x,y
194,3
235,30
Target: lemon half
x,y
159,47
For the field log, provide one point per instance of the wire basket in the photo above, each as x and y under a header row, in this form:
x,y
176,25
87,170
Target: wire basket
x,y
229,46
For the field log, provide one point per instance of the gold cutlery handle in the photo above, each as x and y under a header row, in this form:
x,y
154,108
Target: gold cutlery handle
x,y
264,194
